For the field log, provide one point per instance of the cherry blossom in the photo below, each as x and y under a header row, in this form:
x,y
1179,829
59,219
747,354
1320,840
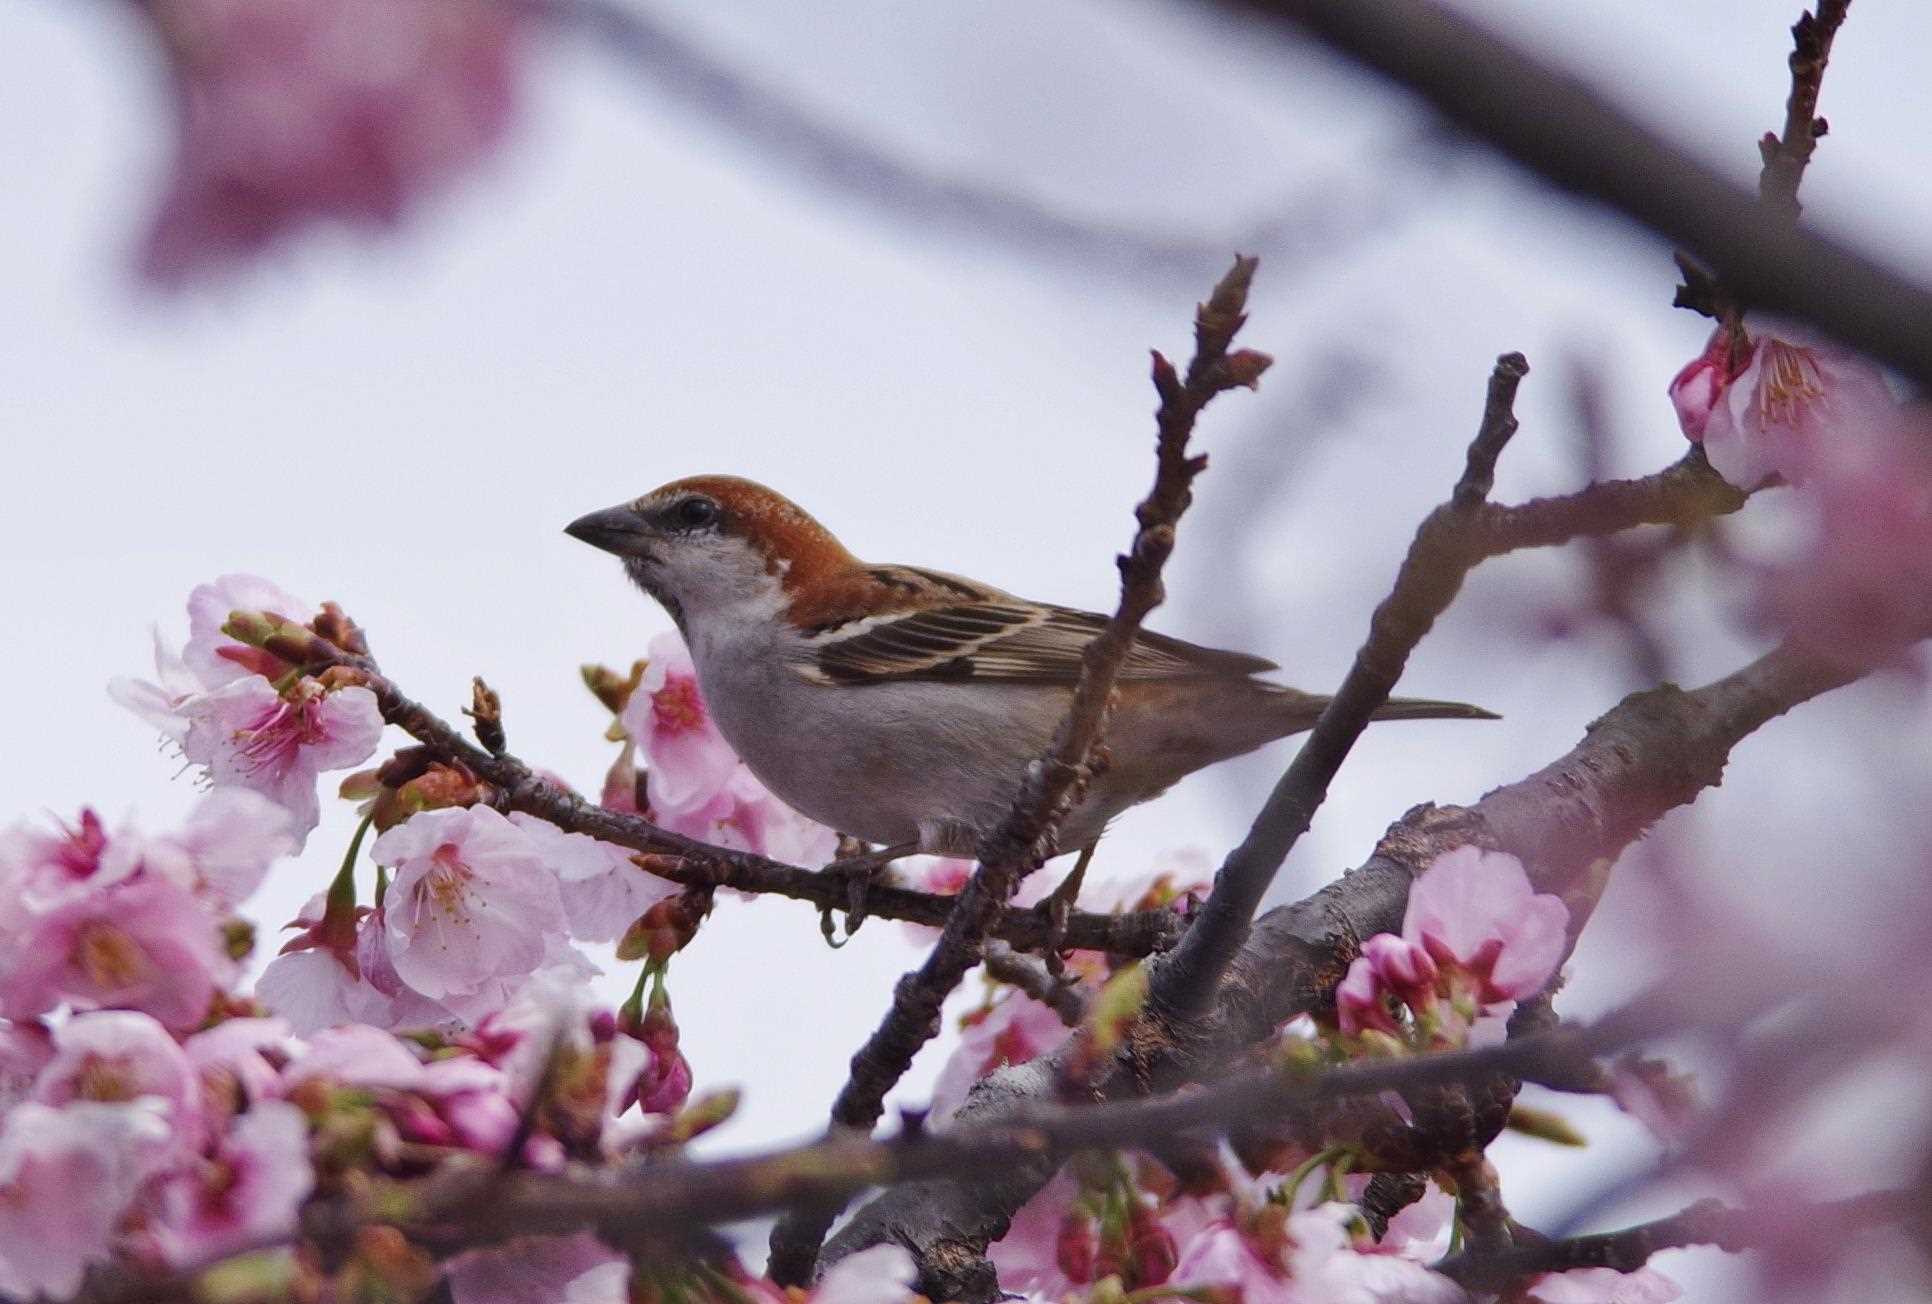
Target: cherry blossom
x,y
1860,586
141,944
210,658
744,816
121,1056
688,761
541,1270
601,888
1475,910
25,1049
1325,1264
221,852
248,1191
66,1176
1778,411
40,869
880,1275
298,110
277,741
1015,1029
1029,1257
471,901
1221,1255
1604,1286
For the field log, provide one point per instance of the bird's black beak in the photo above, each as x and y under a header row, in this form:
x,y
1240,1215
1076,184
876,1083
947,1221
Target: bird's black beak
x,y
621,530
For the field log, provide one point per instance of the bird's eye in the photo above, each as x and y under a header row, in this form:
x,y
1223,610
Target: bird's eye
x,y
695,514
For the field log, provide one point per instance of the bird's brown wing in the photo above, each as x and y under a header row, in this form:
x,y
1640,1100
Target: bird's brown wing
x,y
960,630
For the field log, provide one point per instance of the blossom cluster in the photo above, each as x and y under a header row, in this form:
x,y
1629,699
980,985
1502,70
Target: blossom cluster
x,y
446,1016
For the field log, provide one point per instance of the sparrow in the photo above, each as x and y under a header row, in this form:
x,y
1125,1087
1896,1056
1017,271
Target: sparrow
x,y
900,705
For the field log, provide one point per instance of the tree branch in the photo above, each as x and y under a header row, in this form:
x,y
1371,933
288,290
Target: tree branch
x,y
1652,752
1055,782
1553,125
1786,155
1708,1222
1428,582
699,864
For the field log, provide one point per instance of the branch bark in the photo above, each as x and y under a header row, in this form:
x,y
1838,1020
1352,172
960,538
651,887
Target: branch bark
x,y
1055,782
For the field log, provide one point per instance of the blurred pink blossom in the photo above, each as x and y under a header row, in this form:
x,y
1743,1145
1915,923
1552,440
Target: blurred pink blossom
x,y
221,852
1028,1257
1325,1265
1222,1255
880,1275
66,1177
602,890
743,815
576,1269
688,761
298,110
248,1191
1604,1286
471,901
1014,1030
118,1056
39,868
1781,411
140,944
1860,587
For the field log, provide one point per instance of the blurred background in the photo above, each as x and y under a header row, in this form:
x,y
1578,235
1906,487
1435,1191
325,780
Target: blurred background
x,y
903,263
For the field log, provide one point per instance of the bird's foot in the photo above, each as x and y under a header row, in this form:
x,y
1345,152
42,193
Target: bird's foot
x,y
858,872
1057,905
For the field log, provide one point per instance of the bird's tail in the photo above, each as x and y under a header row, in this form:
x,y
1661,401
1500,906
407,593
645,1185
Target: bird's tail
x,y
1423,708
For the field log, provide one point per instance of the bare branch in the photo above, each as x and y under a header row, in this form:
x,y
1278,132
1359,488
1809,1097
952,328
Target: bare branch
x,y
1786,155
1055,782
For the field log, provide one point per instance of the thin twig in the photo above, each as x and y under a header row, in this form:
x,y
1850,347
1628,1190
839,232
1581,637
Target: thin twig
x,y
1031,976
1787,154
1054,783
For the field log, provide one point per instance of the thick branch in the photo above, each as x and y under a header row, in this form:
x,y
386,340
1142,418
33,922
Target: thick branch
x,y
1055,782
1552,124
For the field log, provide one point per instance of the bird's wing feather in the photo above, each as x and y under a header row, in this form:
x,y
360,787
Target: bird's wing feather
x,y
960,630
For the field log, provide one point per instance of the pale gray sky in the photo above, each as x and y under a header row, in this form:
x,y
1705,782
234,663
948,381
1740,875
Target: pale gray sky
x,y
627,295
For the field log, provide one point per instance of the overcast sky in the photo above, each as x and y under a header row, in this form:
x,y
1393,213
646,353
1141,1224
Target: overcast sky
x,y
631,293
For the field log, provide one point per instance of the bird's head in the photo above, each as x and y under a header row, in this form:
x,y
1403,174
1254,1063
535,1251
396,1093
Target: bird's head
x,y
709,545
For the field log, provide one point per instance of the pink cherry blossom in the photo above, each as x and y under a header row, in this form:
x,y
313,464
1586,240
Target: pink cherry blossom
x,y
140,944
540,1270
1475,910
1221,1255
121,1056
1016,1029
222,851
1604,1286
1860,586
471,901
210,655
298,110
39,868
602,890
359,1056
744,816
25,1049
688,761
239,1062
210,658
1781,412
66,1177
248,1191
1028,1257
1325,1265
277,742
